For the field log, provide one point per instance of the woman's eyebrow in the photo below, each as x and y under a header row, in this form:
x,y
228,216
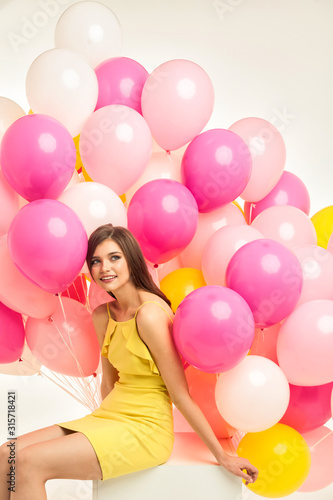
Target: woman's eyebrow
x,y
111,253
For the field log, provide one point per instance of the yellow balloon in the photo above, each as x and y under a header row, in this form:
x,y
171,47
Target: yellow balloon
x,y
78,164
282,457
323,223
180,283
87,178
238,206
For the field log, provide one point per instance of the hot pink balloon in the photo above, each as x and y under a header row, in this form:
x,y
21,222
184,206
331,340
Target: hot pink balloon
x,y
177,102
268,155
269,277
19,293
37,157
115,146
317,272
120,81
9,204
289,190
213,329
309,407
163,216
66,342
219,249
11,335
208,223
320,442
287,225
216,167
48,244
305,344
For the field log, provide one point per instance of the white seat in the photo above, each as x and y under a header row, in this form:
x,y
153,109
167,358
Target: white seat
x,y
191,473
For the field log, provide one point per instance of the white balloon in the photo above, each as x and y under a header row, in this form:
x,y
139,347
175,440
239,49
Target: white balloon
x,y
90,29
60,83
9,113
253,395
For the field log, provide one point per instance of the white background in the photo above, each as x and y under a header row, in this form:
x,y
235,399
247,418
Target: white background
x,y
266,58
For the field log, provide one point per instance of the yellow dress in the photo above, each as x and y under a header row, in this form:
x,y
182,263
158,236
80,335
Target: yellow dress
x,y
133,428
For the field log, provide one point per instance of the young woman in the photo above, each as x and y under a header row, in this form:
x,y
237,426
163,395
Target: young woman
x,y
142,374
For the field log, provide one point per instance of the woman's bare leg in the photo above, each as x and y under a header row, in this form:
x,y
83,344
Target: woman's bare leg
x,y
66,457
9,452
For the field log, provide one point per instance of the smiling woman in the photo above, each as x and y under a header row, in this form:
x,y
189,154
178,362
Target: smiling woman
x,y
142,374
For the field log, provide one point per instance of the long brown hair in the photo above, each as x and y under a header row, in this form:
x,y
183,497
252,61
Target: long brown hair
x,y
137,266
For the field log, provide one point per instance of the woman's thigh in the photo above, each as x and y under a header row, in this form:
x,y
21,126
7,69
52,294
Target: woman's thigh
x,y
70,456
40,435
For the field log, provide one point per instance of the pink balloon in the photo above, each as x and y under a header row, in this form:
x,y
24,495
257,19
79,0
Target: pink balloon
x,y
11,335
213,329
208,223
120,81
9,204
19,293
167,268
287,225
115,146
37,157
268,155
65,343
309,407
264,343
320,442
95,204
48,244
163,216
219,249
305,344
161,165
317,270
177,102
289,190
269,277
97,296
216,168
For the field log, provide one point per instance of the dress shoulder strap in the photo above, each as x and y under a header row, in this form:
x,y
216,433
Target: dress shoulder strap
x,y
153,302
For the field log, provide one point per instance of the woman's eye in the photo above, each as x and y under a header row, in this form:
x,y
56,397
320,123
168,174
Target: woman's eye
x,y
115,257
94,262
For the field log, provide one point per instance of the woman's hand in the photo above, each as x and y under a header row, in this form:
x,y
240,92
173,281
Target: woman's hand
x,y
240,467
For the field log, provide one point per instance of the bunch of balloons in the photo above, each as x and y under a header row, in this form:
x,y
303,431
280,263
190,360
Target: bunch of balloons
x,y
251,286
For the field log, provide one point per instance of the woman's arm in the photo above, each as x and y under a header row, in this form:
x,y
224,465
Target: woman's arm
x,y
100,319
155,329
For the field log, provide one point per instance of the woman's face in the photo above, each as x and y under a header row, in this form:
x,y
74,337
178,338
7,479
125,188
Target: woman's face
x,y
109,268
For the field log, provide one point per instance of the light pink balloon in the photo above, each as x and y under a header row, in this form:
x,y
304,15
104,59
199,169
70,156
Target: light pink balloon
x,y
264,343
305,344
115,146
268,155
320,442
208,223
177,102
161,165
317,271
287,225
220,247
253,395
167,268
9,204
289,190
65,343
95,204
9,112
19,293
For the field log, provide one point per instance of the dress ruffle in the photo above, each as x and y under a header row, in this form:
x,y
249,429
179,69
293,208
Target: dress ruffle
x,y
134,343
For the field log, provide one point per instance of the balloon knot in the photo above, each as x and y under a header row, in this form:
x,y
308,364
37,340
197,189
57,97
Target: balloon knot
x,y
95,374
20,360
155,266
50,319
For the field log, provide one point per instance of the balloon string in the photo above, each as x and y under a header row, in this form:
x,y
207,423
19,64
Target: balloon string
x,y
322,439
